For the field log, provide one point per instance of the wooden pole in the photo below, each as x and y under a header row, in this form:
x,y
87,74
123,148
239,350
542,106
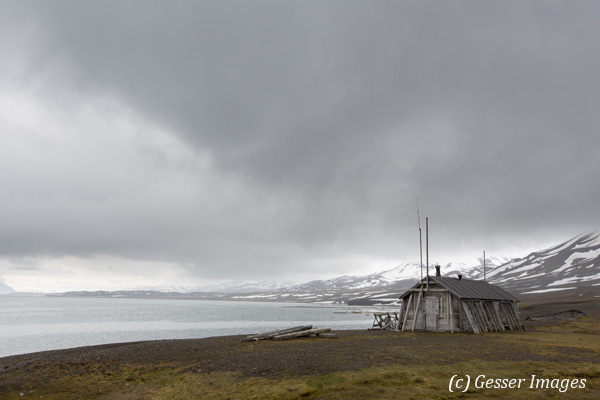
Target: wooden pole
x,y
427,248
497,315
420,238
484,276
450,311
470,317
421,251
407,310
418,308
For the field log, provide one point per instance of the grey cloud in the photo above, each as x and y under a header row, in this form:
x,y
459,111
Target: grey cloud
x,y
336,114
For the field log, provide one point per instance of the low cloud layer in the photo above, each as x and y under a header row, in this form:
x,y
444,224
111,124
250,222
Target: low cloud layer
x,y
285,140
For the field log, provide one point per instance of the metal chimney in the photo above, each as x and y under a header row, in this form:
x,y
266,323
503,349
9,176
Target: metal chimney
x,y
437,271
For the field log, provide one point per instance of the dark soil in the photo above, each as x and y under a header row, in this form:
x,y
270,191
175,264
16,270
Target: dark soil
x,y
304,356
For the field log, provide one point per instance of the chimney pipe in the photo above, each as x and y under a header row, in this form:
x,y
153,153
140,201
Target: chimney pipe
x,y
437,270
459,277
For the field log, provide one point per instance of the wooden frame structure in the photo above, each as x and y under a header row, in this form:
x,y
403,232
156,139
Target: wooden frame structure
x,y
385,320
458,305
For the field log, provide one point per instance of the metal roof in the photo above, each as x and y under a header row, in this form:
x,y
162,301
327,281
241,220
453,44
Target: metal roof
x,y
469,289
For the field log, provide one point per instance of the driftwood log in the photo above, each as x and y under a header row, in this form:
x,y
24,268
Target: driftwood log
x,y
270,335
291,333
302,333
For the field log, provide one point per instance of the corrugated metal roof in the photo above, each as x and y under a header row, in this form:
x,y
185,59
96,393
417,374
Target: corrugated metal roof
x,y
470,289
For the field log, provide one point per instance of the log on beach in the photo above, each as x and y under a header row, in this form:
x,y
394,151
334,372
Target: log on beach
x,y
309,332
270,335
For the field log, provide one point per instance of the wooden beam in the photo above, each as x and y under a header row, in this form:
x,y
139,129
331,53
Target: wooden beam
x,y
406,311
485,317
495,316
450,312
500,324
508,313
470,317
474,309
302,333
269,335
490,310
461,317
419,301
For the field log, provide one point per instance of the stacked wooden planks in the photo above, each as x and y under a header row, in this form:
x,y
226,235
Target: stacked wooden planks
x,y
292,333
491,316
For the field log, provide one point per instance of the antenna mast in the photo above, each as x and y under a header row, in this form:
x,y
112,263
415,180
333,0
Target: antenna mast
x,y
427,248
484,276
420,238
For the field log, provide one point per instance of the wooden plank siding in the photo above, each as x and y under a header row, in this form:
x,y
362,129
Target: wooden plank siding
x,y
439,309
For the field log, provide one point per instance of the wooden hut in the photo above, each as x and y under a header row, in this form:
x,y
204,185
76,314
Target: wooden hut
x,y
458,305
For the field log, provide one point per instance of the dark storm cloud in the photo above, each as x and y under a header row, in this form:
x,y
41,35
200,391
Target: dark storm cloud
x,y
329,117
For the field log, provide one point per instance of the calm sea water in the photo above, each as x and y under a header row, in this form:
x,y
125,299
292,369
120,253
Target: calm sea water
x,y
30,324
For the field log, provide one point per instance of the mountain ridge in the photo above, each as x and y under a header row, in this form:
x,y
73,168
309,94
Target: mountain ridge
x,y
570,268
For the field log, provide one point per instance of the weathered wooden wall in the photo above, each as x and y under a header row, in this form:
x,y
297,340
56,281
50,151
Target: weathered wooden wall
x,y
436,309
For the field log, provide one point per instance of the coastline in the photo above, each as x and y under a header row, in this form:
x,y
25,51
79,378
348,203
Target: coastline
x,y
152,369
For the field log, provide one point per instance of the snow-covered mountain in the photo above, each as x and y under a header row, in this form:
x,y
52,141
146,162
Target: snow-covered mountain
x,y
403,276
5,289
571,268
571,265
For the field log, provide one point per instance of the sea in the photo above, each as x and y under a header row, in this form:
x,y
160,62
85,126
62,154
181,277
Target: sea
x,y
38,323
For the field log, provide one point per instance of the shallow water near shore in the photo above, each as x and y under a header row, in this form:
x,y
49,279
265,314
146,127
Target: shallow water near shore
x,y
37,323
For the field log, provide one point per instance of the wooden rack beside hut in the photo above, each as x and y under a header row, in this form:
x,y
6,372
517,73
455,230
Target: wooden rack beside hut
x,y
445,304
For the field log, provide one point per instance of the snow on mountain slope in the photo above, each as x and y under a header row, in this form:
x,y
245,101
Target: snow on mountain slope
x,y
401,277
573,264
5,289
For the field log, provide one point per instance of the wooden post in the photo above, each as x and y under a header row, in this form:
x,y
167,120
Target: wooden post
x,y
451,313
508,312
477,316
470,317
498,319
484,276
419,301
407,310
461,317
516,308
427,249
484,318
495,317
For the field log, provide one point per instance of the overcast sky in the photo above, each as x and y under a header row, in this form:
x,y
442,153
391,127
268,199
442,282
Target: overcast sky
x,y
150,142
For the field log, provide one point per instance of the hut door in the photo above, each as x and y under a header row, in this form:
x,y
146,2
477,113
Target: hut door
x,y
432,311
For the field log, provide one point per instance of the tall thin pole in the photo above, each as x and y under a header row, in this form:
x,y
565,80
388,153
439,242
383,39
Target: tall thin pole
x,y
484,276
421,252
427,248
420,238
